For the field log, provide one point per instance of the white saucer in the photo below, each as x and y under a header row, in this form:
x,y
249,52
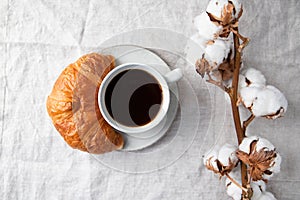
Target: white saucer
x,y
130,53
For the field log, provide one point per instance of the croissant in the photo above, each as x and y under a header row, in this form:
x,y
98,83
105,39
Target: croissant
x,y
73,106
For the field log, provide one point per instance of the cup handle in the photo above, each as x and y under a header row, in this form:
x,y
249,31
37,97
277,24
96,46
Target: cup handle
x,y
174,75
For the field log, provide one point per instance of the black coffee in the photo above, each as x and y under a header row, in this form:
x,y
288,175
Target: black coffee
x,y
133,97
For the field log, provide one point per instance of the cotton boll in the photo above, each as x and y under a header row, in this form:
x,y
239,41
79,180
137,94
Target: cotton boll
x,y
264,144
266,196
258,187
270,102
215,7
249,95
235,192
197,39
211,157
275,167
255,77
261,143
265,103
245,145
206,28
262,151
280,97
221,160
277,161
217,52
226,153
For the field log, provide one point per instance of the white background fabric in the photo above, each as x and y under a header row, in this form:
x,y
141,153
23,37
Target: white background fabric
x,y
39,38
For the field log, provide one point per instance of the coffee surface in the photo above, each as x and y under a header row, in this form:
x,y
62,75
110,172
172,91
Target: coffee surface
x,y
133,97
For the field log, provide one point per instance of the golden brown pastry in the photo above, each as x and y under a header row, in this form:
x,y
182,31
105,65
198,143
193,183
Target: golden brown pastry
x,y
73,106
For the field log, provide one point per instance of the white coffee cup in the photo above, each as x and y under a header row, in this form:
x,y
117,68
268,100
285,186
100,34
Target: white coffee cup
x,y
162,79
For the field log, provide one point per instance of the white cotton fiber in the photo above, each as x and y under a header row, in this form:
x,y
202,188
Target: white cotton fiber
x,y
245,145
218,51
215,7
206,28
226,153
255,77
249,95
268,102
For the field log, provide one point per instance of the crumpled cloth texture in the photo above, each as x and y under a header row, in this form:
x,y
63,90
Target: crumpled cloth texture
x,y
39,38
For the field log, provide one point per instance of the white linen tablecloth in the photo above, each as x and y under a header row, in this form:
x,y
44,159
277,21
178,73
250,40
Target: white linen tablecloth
x,y
39,38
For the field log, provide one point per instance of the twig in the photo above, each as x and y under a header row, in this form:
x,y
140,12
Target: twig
x,y
244,39
216,83
240,132
249,174
247,122
234,95
250,191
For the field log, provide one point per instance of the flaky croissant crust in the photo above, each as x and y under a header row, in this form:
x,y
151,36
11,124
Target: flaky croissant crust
x,y
73,106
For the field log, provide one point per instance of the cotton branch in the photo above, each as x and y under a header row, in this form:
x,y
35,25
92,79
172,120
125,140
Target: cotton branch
x,y
217,83
240,132
247,122
220,65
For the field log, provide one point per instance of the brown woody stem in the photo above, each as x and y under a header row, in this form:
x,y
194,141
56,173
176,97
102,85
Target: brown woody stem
x,y
247,122
234,91
249,189
240,132
216,83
